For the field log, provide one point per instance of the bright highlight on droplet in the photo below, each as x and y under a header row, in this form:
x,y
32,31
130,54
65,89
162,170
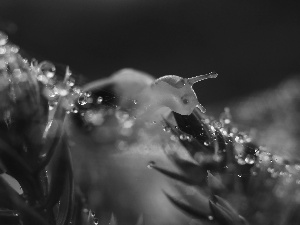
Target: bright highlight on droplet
x,y
99,100
151,164
3,38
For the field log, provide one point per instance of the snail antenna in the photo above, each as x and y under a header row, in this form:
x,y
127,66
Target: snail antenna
x,y
196,79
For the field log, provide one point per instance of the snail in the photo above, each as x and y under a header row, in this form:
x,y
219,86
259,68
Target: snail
x,y
131,100
149,95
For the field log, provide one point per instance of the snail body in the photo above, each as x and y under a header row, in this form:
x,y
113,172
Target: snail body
x,y
149,95
130,100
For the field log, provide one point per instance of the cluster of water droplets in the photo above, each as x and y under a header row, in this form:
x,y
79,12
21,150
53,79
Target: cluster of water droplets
x,y
91,216
56,89
245,152
14,75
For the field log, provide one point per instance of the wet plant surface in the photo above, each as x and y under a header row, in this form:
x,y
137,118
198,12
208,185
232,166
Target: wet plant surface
x,y
68,151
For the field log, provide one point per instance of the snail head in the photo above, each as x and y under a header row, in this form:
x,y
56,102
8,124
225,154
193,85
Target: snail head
x,y
181,96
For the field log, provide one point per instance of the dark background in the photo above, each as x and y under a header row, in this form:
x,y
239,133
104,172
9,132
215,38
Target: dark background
x,y
252,44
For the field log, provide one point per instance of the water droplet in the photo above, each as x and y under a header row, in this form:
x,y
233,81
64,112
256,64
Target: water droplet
x,y
225,117
51,107
227,121
206,143
239,175
167,129
88,94
82,100
2,50
99,100
151,164
77,90
62,91
182,137
154,122
96,221
135,102
241,161
70,82
93,213
51,93
189,138
42,79
217,124
210,217
250,159
47,69
74,110
14,49
3,38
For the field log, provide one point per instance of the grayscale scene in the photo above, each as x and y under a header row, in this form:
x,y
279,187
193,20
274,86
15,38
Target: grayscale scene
x,y
149,112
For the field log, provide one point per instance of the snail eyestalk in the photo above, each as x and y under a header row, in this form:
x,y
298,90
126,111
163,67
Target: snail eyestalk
x,y
196,79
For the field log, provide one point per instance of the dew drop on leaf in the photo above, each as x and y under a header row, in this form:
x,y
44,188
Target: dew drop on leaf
x,y
99,100
47,69
70,82
77,90
88,94
189,138
250,159
167,129
74,110
241,161
151,164
82,100
3,38
182,137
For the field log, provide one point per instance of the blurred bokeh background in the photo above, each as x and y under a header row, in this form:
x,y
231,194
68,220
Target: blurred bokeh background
x,y
251,44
